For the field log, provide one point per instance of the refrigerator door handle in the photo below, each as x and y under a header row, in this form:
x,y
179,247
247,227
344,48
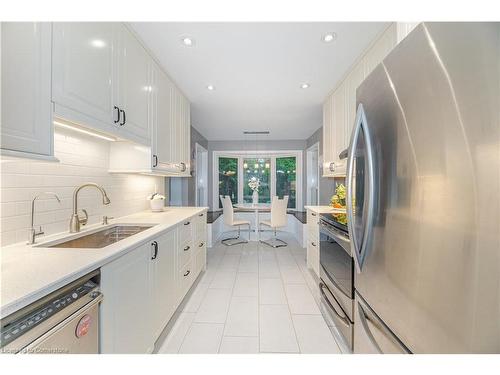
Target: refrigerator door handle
x,y
392,344
360,250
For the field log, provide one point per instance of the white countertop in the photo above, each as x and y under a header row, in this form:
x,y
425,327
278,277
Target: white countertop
x,y
29,273
324,209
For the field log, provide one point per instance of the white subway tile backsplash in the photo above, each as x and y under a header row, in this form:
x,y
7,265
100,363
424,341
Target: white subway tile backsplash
x,y
81,159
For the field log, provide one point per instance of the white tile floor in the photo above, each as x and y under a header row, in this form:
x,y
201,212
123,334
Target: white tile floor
x,y
252,299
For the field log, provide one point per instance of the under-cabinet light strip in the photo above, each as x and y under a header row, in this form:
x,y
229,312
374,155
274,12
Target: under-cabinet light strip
x,y
84,131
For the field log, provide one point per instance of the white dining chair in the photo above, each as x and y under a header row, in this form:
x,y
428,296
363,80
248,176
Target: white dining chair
x,y
228,213
278,220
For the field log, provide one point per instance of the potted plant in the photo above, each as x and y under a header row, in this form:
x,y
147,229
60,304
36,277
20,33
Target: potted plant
x,y
156,202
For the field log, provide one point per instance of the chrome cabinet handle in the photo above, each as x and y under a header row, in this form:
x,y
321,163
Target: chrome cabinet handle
x,y
117,114
187,273
201,244
187,248
155,161
155,247
343,318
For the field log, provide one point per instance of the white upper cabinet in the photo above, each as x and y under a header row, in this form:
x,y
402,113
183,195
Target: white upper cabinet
x,y
132,86
26,107
162,125
82,73
339,108
354,79
101,78
404,28
380,49
327,144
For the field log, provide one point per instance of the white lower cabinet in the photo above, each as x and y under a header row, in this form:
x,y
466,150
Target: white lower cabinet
x,y
143,288
125,284
339,108
313,241
162,276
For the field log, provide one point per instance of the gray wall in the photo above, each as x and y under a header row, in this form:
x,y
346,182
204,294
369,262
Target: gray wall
x,y
181,191
262,145
326,184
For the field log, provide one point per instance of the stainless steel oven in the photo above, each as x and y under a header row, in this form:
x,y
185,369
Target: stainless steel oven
x,y
337,275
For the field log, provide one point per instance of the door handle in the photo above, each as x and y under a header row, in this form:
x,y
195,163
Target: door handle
x,y
124,117
331,167
187,248
183,167
201,244
360,250
187,223
364,319
117,115
187,273
155,247
155,161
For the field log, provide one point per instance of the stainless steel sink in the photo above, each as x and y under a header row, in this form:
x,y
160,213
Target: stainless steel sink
x,y
102,238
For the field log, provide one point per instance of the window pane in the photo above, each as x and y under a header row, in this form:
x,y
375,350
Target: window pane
x,y
259,168
228,178
286,179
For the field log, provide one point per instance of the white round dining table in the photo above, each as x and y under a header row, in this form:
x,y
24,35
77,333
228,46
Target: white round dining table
x,y
256,208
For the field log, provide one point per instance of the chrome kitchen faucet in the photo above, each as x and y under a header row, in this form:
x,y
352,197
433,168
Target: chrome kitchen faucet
x,y
75,221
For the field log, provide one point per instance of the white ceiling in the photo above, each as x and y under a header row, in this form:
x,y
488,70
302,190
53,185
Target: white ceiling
x,y
257,70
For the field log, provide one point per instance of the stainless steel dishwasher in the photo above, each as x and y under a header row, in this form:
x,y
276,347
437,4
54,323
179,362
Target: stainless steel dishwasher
x,y
65,321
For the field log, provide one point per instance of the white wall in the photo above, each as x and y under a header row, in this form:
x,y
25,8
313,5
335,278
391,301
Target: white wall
x,y
82,159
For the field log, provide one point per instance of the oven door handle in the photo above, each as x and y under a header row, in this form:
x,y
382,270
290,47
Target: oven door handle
x,y
337,235
342,317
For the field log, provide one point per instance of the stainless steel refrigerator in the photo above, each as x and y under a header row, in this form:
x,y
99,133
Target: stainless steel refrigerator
x,y
423,194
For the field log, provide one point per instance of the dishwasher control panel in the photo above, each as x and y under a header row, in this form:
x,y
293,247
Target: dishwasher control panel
x,y
23,324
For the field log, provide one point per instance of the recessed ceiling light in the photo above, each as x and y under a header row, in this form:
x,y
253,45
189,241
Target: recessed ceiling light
x,y
98,43
187,41
304,86
210,88
330,37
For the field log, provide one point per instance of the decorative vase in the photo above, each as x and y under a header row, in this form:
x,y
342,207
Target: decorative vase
x,y
255,197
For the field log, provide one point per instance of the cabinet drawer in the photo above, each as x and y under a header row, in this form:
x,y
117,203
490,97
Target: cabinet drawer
x,y
313,233
184,252
313,256
201,259
312,219
185,278
201,226
186,231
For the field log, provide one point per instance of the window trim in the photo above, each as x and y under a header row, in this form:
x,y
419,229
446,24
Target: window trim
x,y
273,154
